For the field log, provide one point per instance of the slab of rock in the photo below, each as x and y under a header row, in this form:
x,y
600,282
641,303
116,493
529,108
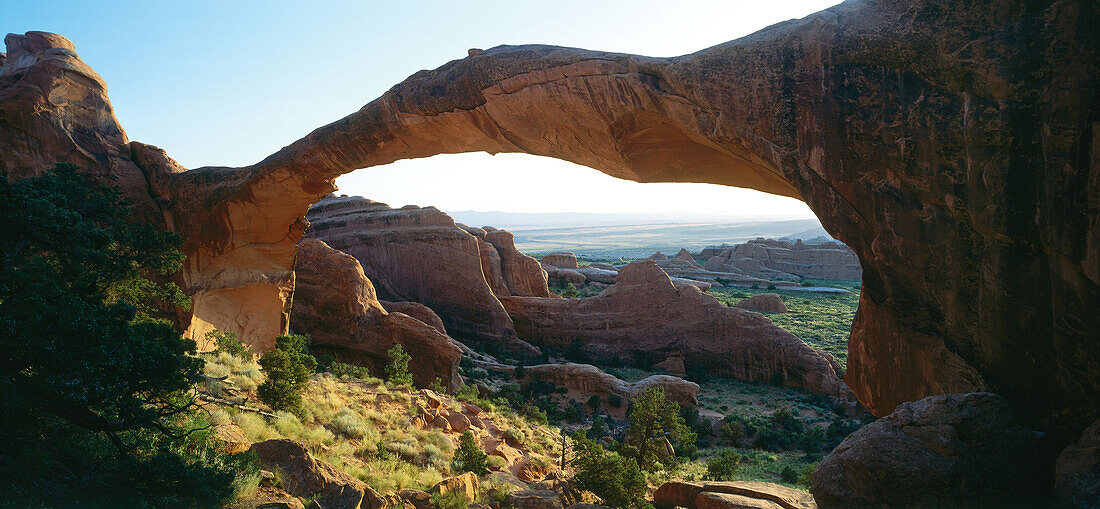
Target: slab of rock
x,y
764,303
781,259
644,314
588,379
697,495
561,259
952,450
564,276
419,255
535,499
415,310
305,476
337,306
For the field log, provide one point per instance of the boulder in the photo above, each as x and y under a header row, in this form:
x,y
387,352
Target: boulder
x,y
592,274
951,450
396,248
697,495
561,259
764,303
232,439
305,476
1077,471
337,306
416,498
645,315
534,499
467,484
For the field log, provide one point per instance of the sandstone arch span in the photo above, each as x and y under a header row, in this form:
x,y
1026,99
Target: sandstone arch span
x,y
951,144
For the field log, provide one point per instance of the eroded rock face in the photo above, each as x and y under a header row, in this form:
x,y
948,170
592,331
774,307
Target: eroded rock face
x,y
646,317
420,255
952,450
1077,471
522,274
336,305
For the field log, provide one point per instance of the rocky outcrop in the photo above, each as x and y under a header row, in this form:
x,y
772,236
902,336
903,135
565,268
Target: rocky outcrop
x,y
336,305
764,303
561,259
1077,471
952,450
646,318
305,476
941,142
563,277
732,494
522,274
419,254
783,260
587,379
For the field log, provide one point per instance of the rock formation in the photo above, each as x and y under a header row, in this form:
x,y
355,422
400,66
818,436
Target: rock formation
x,y
646,318
420,255
522,274
336,305
764,303
952,146
588,379
305,476
562,259
783,260
952,450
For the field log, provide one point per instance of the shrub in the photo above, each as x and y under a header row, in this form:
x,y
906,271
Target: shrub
x,y
594,402
397,371
228,342
788,475
470,457
520,372
807,473
496,463
350,424
288,368
812,439
515,435
724,466
771,286
615,401
616,479
599,427
344,371
570,291
450,500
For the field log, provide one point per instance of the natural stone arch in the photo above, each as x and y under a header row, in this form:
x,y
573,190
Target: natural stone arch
x,y
922,134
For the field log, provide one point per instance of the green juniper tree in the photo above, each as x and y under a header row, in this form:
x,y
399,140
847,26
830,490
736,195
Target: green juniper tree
x,y
397,371
613,477
287,367
653,418
94,382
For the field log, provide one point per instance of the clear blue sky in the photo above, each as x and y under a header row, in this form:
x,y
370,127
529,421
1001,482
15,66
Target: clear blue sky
x,y
229,82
